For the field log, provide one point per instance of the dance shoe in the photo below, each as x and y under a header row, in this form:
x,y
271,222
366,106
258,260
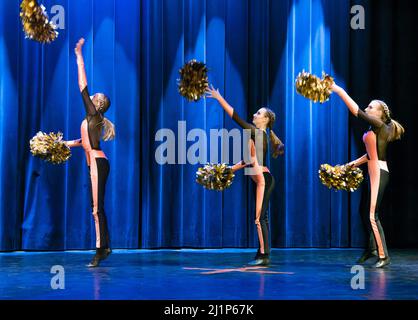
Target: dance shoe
x,y
382,262
261,260
101,254
367,254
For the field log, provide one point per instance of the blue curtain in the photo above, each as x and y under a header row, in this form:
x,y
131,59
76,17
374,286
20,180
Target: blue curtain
x,y
134,49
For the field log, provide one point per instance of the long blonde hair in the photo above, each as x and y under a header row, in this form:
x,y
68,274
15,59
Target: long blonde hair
x,y
108,128
108,131
397,129
277,145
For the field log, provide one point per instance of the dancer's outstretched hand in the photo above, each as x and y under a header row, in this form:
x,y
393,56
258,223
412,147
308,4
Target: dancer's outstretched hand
x,y
211,92
351,164
79,46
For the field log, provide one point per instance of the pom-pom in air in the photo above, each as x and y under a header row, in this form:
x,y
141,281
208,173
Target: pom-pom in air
x,y
193,80
35,21
313,88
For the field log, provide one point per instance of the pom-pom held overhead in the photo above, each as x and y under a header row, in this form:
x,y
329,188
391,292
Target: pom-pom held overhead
x,y
36,24
215,176
313,88
50,147
193,80
346,177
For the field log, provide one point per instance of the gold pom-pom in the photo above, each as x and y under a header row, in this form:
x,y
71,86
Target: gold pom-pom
x,y
215,176
313,88
346,177
36,24
193,80
50,147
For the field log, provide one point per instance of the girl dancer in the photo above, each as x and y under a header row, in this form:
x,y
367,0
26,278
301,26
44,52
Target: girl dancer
x,y
94,127
383,129
264,118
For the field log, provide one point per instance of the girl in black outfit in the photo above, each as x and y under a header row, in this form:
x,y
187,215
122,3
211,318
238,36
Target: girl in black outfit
x,y
383,130
94,127
264,118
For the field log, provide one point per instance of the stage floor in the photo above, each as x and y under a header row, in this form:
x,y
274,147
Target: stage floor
x,y
206,274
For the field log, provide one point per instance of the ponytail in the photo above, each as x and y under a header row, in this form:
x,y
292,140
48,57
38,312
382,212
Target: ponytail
x,y
276,144
108,130
397,130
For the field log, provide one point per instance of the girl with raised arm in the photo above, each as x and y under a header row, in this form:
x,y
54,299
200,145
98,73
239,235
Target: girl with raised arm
x,y
94,128
264,118
383,130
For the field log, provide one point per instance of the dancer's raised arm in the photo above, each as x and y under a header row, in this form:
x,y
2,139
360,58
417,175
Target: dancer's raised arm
x,y
354,108
214,93
82,78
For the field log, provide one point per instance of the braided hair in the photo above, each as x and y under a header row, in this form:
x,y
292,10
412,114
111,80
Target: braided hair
x,y
397,129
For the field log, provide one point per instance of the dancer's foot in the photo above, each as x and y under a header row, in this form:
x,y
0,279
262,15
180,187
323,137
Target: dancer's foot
x,y
262,260
382,262
367,254
94,262
258,255
101,254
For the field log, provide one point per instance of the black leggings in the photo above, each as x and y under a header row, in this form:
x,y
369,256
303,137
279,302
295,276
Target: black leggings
x,y
99,173
374,231
263,231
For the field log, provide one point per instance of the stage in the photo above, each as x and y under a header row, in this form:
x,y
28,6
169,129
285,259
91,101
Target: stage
x,y
216,274
187,124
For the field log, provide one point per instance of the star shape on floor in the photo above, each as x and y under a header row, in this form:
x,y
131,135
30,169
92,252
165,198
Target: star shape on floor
x,y
256,269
